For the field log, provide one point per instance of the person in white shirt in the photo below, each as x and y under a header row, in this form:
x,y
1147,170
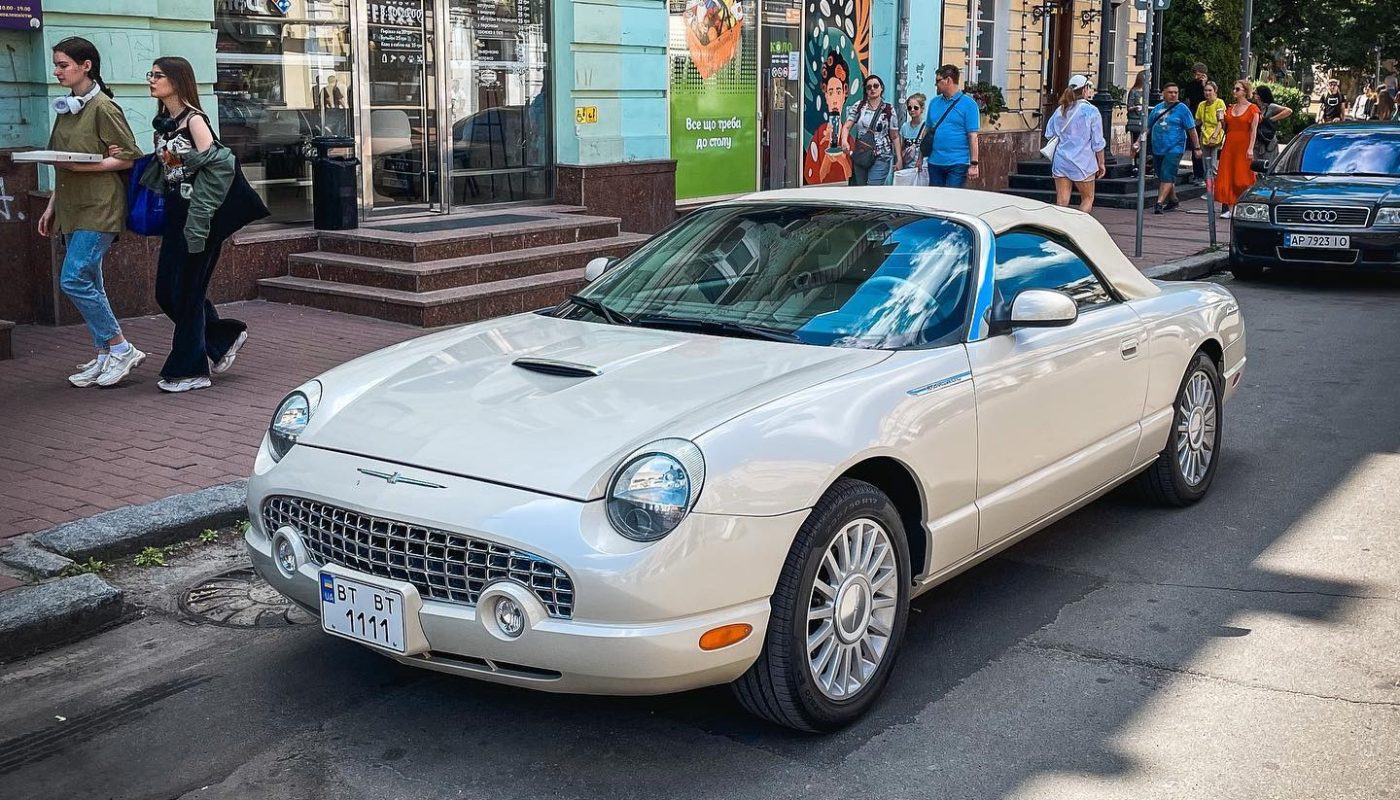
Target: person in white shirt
x,y
1078,158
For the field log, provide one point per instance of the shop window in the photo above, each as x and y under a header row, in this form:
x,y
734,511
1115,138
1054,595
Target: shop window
x,y
283,77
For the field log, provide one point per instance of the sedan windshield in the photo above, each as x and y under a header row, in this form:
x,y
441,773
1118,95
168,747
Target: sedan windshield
x,y
1349,153
840,277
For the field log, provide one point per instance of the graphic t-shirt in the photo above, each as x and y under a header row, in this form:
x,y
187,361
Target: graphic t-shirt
x,y
1332,105
873,119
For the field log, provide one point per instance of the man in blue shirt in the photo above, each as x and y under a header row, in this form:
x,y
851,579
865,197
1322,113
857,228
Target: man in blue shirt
x,y
1169,124
951,152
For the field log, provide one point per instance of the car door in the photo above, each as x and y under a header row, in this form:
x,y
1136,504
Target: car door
x,y
1058,409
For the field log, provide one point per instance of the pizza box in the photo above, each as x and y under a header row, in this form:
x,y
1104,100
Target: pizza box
x,y
55,157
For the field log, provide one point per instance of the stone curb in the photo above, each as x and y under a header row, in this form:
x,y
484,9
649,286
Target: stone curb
x,y
1190,268
45,615
129,530
39,617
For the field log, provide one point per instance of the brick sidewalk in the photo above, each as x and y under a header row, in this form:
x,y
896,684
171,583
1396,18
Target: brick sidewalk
x,y
67,453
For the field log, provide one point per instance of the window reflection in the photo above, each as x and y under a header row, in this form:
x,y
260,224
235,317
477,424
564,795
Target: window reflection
x,y
838,277
1352,153
1026,260
283,77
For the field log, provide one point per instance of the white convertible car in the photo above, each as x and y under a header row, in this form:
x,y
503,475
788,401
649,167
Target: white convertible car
x,y
740,451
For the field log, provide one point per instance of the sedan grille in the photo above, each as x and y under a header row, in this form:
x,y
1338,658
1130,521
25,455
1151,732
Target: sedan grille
x,y
1324,216
446,566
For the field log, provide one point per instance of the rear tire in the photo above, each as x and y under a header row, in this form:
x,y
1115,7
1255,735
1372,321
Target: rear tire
x,y
1185,469
861,617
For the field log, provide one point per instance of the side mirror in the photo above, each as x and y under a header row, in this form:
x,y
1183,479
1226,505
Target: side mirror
x,y
1259,165
594,269
1043,308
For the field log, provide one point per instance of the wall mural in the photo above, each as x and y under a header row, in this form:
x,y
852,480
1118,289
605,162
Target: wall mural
x,y
837,59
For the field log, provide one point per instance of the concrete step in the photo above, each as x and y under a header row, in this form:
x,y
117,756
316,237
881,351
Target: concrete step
x,y
447,273
1118,167
428,309
470,238
1183,192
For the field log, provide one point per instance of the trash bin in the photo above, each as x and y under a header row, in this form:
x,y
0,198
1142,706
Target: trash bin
x,y
334,196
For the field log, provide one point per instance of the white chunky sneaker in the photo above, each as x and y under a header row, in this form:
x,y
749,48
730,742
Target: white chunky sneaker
x,y
118,367
183,384
227,361
88,373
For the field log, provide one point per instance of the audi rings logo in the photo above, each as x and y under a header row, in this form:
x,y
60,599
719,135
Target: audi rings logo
x,y
1319,215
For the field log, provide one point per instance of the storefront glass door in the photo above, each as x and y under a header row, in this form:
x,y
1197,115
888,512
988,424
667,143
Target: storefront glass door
x,y
781,94
496,78
397,120
473,107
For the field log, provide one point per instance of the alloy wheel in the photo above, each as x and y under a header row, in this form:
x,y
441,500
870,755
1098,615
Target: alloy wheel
x,y
1195,428
851,611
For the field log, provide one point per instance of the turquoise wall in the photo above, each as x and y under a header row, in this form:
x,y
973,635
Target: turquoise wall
x,y
925,44
611,54
130,34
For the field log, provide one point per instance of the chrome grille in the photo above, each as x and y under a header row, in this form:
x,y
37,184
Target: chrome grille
x,y
443,565
1323,216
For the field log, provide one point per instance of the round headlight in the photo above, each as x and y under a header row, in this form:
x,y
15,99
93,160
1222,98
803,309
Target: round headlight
x,y
291,418
655,490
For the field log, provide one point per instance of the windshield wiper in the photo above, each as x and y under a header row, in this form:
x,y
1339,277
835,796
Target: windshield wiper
x,y
716,326
614,317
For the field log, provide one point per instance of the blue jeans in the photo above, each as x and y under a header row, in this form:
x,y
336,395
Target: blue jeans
x,y
877,174
953,176
81,280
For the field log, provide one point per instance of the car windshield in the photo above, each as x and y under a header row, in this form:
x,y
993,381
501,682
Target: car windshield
x,y
840,277
1349,153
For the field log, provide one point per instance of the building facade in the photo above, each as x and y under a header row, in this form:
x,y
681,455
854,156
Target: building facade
x,y
624,106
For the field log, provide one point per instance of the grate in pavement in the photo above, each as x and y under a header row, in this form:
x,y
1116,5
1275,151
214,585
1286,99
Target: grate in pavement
x,y
240,598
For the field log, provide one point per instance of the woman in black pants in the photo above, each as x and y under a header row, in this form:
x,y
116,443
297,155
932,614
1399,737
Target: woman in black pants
x,y
206,201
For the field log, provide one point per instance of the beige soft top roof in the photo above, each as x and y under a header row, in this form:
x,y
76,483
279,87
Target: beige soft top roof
x,y
1001,211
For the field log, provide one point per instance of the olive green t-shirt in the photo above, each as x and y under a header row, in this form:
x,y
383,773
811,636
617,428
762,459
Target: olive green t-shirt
x,y
92,201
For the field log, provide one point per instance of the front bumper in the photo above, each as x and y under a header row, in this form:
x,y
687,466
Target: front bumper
x,y
1261,244
639,610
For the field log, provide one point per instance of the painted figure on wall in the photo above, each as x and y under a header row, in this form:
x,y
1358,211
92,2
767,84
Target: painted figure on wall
x,y
837,59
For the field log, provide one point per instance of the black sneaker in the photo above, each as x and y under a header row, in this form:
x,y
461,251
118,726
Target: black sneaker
x,y
1156,208
1171,205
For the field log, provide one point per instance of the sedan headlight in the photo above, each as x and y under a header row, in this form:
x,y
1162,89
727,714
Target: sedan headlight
x,y
655,489
1252,212
1388,216
292,417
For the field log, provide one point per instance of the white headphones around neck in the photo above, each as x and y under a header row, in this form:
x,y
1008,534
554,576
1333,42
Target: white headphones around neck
x,y
72,104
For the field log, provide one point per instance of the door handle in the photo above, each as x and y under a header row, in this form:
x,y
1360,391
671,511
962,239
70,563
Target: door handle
x,y
1128,347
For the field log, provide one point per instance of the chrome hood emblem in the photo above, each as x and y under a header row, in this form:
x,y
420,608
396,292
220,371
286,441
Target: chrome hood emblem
x,y
399,477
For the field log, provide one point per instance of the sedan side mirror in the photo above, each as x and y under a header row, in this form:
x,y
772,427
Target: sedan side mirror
x,y
594,269
1259,165
1043,308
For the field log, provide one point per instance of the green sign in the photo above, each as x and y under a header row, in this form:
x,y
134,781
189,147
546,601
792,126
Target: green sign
x,y
714,99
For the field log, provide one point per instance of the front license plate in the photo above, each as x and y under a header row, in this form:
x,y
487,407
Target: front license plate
x,y
1316,240
363,612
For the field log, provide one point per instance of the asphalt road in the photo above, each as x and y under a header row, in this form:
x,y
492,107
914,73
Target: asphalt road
x,y
1247,647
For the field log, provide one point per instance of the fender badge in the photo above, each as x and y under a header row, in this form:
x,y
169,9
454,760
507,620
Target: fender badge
x,y
398,477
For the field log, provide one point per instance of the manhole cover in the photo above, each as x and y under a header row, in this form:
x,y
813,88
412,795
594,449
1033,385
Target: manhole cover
x,y
240,599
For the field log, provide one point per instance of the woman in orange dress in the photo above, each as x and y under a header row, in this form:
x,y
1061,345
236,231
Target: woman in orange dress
x,y
1241,124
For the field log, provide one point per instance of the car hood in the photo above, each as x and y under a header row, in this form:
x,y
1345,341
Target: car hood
x,y
1326,189
457,402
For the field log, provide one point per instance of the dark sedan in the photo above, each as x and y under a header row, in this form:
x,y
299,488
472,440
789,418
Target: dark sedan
x,y
1331,198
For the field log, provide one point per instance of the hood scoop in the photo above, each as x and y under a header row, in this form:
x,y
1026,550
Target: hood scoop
x,y
563,369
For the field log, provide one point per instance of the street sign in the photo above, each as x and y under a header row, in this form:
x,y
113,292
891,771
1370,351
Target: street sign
x,y
1157,5
586,115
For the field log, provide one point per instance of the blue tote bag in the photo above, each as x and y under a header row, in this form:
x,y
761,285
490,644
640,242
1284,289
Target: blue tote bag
x,y
145,209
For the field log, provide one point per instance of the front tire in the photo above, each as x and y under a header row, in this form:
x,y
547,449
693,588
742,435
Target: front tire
x,y
1184,471
838,614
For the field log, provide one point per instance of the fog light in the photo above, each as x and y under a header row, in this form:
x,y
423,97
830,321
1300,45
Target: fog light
x,y
286,555
510,617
